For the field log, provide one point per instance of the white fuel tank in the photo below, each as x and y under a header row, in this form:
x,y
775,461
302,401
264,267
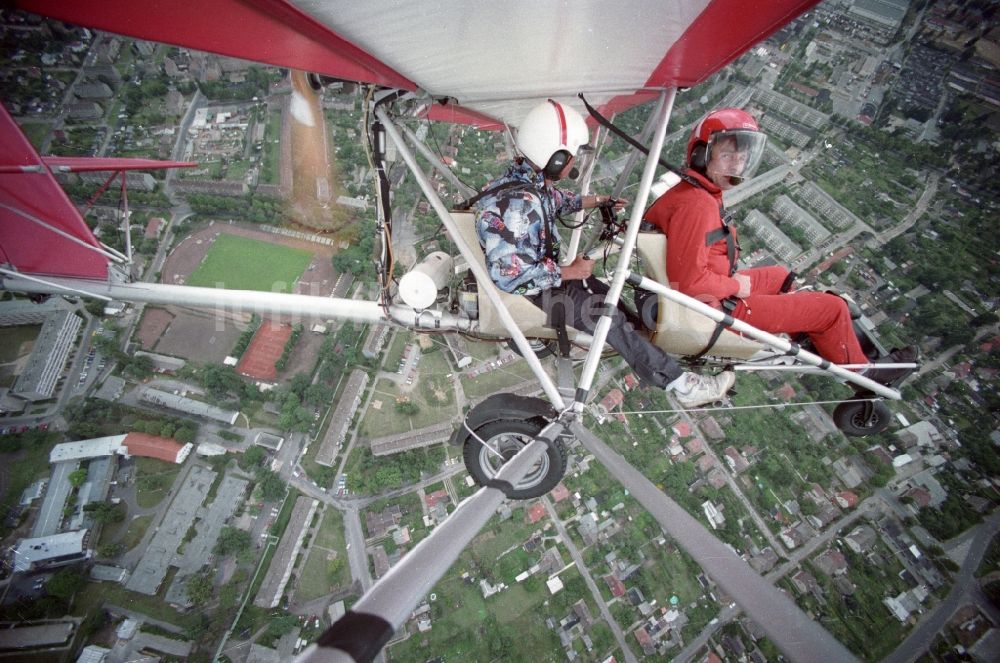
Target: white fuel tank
x,y
419,287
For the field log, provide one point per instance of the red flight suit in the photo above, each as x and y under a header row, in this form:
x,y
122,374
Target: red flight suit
x,y
698,265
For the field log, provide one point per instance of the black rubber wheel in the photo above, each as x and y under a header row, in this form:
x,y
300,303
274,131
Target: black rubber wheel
x,y
861,418
542,348
505,438
315,81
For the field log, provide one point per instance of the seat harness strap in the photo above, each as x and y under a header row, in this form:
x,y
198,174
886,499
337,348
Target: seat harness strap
x,y
732,251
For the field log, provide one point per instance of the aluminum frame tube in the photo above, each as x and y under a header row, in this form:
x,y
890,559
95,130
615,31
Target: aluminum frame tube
x,y
397,593
776,342
296,307
485,282
800,638
63,233
436,163
126,220
664,109
633,157
809,369
588,174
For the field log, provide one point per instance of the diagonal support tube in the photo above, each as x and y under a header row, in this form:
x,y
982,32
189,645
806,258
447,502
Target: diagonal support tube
x,y
664,109
485,282
784,345
391,600
798,637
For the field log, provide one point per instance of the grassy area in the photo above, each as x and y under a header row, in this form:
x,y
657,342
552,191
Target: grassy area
x,y
506,626
13,338
326,550
271,151
861,621
395,351
31,461
36,132
136,530
236,171
248,264
667,570
490,382
432,393
481,350
96,594
153,479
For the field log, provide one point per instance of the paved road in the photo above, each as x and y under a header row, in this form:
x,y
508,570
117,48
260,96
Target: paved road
x,y
581,565
776,545
798,636
964,590
942,357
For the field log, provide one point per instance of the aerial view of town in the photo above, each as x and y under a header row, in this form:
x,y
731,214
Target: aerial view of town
x,y
212,484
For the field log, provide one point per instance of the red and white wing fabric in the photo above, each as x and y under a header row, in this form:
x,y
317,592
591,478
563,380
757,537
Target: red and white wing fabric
x,y
41,232
481,63
494,60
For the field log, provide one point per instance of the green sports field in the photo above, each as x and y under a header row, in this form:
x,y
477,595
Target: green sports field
x,y
240,263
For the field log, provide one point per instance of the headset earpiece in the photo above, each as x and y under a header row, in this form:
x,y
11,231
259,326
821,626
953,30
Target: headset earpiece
x,y
698,154
553,169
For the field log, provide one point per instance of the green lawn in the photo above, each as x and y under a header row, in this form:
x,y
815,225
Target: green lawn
x,y
36,132
136,530
248,264
29,453
270,156
153,479
12,338
316,579
432,393
490,382
508,626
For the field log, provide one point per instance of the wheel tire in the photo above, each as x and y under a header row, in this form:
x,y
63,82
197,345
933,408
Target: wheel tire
x,y
541,347
850,417
315,81
509,436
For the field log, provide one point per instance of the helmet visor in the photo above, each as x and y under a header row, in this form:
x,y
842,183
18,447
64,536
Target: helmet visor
x,y
735,153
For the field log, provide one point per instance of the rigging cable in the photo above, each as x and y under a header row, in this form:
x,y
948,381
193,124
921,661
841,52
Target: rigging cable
x,y
730,408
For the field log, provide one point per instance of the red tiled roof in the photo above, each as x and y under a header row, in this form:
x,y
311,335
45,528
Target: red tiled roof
x,y
850,498
152,446
615,585
535,512
153,227
786,392
559,493
695,446
433,498
613,399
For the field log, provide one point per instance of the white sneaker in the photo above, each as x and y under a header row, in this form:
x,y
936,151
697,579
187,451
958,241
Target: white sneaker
x,y
702,389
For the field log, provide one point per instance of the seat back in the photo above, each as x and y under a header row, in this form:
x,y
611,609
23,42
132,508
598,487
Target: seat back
x,y
680,330
529,317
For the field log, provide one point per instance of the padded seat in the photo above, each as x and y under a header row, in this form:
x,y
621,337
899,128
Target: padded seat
x,y
529,317
680,330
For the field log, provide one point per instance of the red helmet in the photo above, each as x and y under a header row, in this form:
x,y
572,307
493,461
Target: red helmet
x,y
734,122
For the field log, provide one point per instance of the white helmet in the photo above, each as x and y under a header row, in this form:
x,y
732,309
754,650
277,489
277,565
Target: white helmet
x,y
550,134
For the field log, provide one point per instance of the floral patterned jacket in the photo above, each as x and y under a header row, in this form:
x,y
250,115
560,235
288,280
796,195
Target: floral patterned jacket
x,y
516,225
